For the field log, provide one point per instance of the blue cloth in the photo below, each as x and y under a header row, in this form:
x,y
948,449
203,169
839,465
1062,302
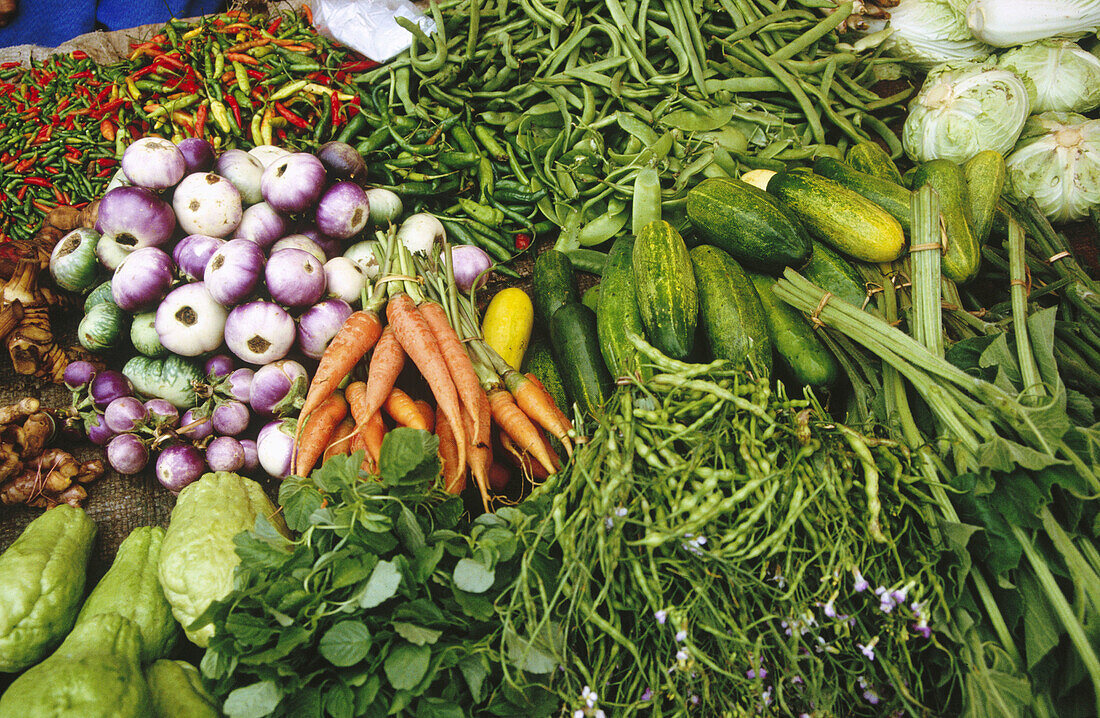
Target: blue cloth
x,y
51,22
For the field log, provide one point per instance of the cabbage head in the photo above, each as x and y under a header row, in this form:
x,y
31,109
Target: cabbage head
x,y
963,109
929,32
1063,77
1057,161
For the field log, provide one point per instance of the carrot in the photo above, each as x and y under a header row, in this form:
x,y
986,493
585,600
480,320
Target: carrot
x,y
499,476
457,360
403,410
453,481
340,441
420,344
314,435
538,406
427,412
522,460
480,455
386,364
563,418
359,333
519,428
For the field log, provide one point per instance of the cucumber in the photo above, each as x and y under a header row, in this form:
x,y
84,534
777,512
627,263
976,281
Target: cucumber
x,y
748,224
730,312
797,346
576,348
891,196
869,157
834,274
963,256
553,284
591,296
985,180
664,286
617,313
539,361
843,219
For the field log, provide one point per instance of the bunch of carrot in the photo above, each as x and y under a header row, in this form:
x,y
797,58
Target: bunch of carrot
x,y
474,390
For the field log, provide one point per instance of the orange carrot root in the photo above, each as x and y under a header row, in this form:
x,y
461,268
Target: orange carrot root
x,y
340,441
533,400
402,409
315,435
457,360
359,333
454,482
519,428
499,476
427,412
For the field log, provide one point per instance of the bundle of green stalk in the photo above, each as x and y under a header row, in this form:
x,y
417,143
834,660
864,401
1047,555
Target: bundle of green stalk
x,y
1008,459
719,548
541,118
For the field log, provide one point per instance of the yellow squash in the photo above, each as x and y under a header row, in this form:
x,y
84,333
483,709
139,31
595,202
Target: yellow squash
x,y
507,324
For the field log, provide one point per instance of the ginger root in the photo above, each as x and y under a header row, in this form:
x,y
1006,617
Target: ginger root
x,y
48,480
19,411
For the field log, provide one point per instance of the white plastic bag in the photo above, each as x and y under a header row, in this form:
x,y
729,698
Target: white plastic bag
x,y
368,25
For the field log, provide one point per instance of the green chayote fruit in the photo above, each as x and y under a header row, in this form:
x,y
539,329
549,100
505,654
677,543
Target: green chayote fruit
x,y
177,691
132,590
41,583
95,673
198,557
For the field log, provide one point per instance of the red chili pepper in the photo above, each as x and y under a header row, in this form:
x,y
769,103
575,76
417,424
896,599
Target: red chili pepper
x,y
3,197
79,55
291,117
105,172
51,169
359,66
103,94
43,135
43,206
355,101
83,75
337,116
200,121
255,74
281,134
21,193
107,129
106,162
69,123
142,71
241,58
187,86
171,59
235,108
61,197
319,77
522,240
8,65
307,13
62,104
38,181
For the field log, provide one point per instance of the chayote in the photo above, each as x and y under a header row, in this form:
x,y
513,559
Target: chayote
x,y
131,589
177,691
95,673
197,556
41,583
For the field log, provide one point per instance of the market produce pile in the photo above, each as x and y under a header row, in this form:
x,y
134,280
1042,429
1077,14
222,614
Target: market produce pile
x,y
818,437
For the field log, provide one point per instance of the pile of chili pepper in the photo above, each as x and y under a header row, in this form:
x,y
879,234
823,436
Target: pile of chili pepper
x,y
60,138
568,102
240,80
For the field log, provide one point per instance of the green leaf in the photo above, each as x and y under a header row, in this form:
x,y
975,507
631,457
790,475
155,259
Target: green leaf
x,y
290,638
339,472
474,605
538,655
1042,629
409,457
424,562
367,693
438,708
256,553
1000,454
253,701
409,531
475,670
415,634
214,664
304,703
423,612
345,644
406,665
350,570
472,577
382,584
339,701
249,630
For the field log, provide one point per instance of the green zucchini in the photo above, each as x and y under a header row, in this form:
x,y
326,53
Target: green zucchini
x,y
843,219
748,224
985,180
834,274
576,347
797,346
730,312
539,361
962,256
553,283
891,196
869,157
664,286
617,314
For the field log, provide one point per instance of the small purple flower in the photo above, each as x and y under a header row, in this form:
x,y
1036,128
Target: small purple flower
x,y
621,512
681,635
753,674
648,695
900,595
694,699
661,616
886,600
681,655
828,608
861,583
778,578
609,523
869,649
797,680
871,697
922,628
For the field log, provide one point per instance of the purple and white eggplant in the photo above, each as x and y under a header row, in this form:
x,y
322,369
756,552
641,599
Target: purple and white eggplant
x,y
195,426
319,324
303,242
420,232
295,278
127,454
198,154
343,162
471,266
97,430
331,246
251,456
385,206
267,154
230,418
143,279
218,365
193,252
261,224
154,163
162,413
124,413
244,171
189,321
78,374
135,217
110,253
344,279
293,183
343,210
366,255
225,454
109,385
259,332
239,384
234,271
275,447
278,387
206,203
179,465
